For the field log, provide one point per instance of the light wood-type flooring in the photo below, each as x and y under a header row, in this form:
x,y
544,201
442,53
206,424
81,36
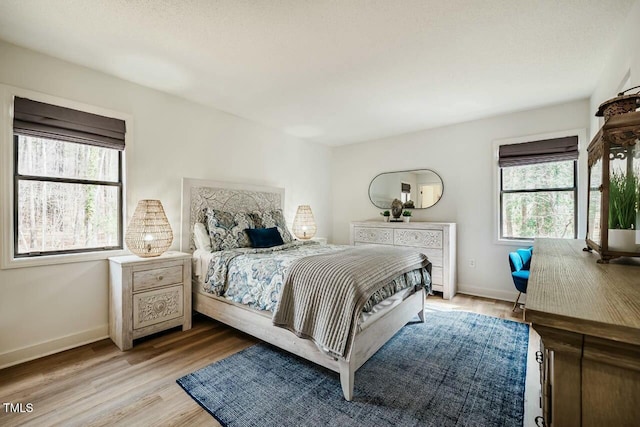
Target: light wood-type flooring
x,y
97,384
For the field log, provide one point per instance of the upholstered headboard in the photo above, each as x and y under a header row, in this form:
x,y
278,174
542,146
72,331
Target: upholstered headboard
x,y
198,194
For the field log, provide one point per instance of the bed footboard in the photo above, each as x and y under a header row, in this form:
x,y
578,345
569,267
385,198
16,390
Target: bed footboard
x,y
365,343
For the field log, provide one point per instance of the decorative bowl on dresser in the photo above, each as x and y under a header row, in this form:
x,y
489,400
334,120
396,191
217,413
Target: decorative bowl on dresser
x,y
437,240
148,295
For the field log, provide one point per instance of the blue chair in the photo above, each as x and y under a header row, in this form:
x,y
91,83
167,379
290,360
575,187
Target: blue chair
x,y
519,261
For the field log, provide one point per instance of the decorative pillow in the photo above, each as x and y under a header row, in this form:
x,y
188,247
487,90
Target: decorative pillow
x,y
226,229
201,237
264,237
271,219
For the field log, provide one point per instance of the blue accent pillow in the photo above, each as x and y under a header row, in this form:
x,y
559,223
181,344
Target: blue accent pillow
x,y
272,219
264,237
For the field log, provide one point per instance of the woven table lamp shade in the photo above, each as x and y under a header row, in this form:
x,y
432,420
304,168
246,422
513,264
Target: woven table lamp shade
x,y
304,225
149,233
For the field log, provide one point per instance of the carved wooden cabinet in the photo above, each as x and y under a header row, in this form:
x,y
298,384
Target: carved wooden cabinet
x,y
437,240
148,295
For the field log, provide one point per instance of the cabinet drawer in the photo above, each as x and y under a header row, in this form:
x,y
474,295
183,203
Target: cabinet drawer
x,y
157,306
436,276
419,238
373,235
147,279
434,255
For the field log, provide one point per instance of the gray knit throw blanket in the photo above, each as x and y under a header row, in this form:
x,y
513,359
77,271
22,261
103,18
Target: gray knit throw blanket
x,y
323,295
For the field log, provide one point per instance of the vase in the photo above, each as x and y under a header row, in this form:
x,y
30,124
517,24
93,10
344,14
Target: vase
x,y
386,218
622,240
406,218
396,208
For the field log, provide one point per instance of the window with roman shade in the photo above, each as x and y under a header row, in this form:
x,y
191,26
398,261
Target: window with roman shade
x,y
68,182
538,189
405,192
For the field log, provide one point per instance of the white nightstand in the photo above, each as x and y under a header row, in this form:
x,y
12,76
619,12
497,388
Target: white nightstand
x,y
148,295
321,240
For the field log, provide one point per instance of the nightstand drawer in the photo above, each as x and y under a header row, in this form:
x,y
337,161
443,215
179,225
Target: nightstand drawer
x,y
148,279
157,306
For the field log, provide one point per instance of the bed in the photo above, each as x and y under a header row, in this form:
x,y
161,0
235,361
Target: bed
x,y
253,313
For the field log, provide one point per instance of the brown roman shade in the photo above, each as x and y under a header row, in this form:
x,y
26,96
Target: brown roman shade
x,y
405,188
546,150
33,118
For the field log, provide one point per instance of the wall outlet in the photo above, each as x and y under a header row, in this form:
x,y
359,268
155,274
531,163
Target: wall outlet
x,y
472,263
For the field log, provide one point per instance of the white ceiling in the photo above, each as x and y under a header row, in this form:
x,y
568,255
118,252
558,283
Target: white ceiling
x,y
335,71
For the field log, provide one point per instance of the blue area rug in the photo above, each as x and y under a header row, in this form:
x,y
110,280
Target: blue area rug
x,y
458,369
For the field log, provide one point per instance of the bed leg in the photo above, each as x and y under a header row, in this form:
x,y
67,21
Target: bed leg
x,y
421,312
346,379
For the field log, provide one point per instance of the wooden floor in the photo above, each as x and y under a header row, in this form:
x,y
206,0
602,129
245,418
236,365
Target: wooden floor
x,y
97,385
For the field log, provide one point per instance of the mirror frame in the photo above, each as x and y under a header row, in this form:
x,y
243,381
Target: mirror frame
x,y
404,171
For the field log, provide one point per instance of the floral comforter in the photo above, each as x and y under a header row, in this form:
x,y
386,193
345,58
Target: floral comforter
x,y
255,276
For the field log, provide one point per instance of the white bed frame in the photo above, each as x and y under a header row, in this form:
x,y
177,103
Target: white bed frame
x,y
198,194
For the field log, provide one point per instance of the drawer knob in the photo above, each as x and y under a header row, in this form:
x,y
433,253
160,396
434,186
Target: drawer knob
x,y
160,277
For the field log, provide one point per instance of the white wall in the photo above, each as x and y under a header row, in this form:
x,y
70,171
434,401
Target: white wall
x,y
463,156
45,309
623,60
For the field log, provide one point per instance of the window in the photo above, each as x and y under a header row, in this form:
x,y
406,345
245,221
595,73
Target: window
x,y
538,189
67,180
405,192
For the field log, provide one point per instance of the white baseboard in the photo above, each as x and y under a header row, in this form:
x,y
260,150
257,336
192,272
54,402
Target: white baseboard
x,y
491,293
36,351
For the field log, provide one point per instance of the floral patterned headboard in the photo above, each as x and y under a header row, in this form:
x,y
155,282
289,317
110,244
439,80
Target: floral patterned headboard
x,y
198,194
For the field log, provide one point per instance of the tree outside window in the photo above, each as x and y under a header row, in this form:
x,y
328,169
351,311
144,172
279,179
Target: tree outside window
x,y
539,201
68,196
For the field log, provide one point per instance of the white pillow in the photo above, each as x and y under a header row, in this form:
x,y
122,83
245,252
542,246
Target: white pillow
x,y
201,237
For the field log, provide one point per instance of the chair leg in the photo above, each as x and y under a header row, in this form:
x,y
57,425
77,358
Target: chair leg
x,y
515,304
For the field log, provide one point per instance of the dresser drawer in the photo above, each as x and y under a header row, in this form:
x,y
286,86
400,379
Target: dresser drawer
x,y
154,278
157,306
418,238
436,277
373,235
434,255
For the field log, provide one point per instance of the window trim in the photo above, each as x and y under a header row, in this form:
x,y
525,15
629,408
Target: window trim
x,y
580,177
8,258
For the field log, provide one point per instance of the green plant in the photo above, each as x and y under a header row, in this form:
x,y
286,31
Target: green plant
x,y
385,213
623,200
406,213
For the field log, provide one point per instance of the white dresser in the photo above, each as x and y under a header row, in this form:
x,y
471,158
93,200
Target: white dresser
x,y
437,240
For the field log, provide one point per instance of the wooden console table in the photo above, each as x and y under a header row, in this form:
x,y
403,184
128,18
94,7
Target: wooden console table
x,y
588,318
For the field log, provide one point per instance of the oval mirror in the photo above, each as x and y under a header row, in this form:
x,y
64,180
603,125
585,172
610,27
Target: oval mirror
x,y
416,189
